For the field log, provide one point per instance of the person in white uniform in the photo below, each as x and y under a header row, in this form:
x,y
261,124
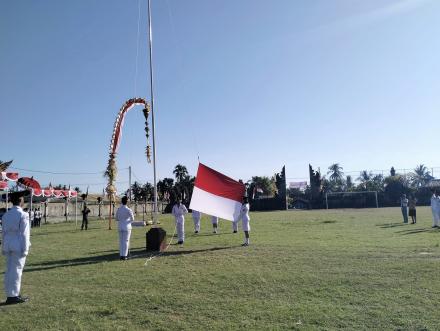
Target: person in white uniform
x,y
245,221
435,208
179,210
124,216
15,246
214,222
235,225
196,215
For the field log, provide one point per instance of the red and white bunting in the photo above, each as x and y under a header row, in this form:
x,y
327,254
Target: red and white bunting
x,y
11,176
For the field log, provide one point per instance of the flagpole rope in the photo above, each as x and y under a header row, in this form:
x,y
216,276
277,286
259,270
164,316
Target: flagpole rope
x,y
61,173
159,254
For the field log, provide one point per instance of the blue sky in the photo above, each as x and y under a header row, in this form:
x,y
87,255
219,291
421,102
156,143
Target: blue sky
x,y
248,85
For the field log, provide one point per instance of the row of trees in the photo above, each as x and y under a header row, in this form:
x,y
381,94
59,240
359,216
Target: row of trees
x,y
367,181
168,189
389,187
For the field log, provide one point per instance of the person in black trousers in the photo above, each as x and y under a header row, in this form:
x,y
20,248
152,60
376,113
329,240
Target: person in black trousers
x,y
85,218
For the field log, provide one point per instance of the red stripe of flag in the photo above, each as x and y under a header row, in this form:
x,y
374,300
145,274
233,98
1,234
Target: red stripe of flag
x,y
216,183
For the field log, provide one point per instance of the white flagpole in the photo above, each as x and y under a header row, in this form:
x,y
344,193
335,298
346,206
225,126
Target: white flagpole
x,y
30,209
76,204
150,43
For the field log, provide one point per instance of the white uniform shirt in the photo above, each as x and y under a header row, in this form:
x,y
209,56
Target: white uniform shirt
x,y
16,233
124,216
179,211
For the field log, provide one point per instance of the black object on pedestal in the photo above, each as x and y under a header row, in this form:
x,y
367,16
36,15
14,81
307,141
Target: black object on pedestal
x,y
156,239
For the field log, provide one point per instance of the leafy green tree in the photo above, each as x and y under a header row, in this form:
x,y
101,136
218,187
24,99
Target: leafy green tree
x,y
349,185
262,186
180,172
164,187
148,191
136,191
420,176
394,187
335,172
364,179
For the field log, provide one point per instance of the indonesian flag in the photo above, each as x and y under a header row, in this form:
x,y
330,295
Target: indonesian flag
x,y
216,194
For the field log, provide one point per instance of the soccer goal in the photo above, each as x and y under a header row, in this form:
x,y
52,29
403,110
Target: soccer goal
x,y
366,199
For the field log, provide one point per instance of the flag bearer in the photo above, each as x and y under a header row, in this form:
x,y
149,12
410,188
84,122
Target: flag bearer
x,y
15,246
124,216
245,220
179,210
214,221
196,218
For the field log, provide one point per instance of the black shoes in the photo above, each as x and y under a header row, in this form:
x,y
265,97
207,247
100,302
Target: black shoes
x,y
15,300
235,231
180,242
196,231
124,258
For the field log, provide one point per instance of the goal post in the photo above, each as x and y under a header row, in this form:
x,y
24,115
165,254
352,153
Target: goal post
x,y
346,194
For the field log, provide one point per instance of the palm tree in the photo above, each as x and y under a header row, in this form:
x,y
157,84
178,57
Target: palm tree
x,y
180,172
335,172
420,176
365,178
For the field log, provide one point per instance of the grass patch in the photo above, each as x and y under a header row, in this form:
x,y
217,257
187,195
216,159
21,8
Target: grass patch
x,y
352,269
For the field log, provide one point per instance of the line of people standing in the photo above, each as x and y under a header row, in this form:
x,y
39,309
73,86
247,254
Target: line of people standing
x,y
179,210
408,207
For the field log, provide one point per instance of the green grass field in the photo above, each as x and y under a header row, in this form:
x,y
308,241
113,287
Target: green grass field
x,y
305,270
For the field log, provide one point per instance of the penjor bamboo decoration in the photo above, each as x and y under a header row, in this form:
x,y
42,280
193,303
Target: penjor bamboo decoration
x,y
112,170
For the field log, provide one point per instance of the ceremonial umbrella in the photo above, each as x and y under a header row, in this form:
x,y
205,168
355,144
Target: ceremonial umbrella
x,y
31,184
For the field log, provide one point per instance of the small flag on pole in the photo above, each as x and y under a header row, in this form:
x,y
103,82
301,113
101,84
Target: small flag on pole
x,y
216,194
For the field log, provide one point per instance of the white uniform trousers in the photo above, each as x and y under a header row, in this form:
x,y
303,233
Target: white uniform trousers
x,y
435,217
245,224
180,225
235,225
124,242
196,224
14,269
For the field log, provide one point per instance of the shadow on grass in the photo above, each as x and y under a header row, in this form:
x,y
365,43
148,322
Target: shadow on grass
x,y
415,231
191,251
134,254
391,225
79,261
195,235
